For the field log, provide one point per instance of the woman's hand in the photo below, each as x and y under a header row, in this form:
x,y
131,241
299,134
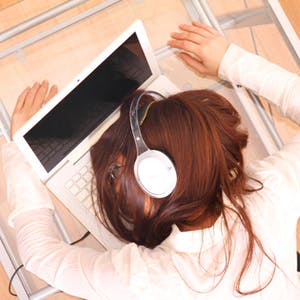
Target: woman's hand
x,y
203,47
29,102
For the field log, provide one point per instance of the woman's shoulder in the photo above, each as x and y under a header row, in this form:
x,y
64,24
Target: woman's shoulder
x,y
283,164
280,185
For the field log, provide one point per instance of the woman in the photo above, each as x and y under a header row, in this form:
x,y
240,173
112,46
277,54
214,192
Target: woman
x,y
221,233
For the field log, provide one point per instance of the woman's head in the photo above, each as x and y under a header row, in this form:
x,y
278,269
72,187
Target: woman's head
x,y
200,131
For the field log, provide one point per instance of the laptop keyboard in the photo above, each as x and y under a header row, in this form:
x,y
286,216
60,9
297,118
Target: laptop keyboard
x,y
80,186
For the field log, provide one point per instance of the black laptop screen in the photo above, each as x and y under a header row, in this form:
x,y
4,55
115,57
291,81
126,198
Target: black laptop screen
x,y
89,104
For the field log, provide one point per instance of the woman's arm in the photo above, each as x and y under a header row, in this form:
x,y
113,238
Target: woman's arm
x,y
24,190
266,79
207,52
39,245
82,272
78,271
281,88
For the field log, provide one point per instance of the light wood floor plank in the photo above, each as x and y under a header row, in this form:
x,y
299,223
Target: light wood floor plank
x,y
292,10
6,3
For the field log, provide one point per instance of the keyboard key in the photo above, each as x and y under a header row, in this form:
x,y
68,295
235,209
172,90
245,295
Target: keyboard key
x,y
69,184
83,194
81,183
81,187
88,176
74,190
76,177
83,170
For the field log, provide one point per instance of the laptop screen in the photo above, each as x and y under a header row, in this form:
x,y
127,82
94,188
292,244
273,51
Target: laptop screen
x,y
89,104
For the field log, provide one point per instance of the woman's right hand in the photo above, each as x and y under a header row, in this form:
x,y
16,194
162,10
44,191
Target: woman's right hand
x,y
29,102
203,47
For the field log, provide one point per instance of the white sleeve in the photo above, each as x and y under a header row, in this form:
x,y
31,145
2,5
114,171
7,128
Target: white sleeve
x,y
79,271
39,245
281,88
266,79
24,189
82,272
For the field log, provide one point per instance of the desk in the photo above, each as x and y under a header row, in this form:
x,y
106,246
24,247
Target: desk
x,y
61,56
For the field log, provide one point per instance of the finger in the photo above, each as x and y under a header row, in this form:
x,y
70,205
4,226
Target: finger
x,y
205,27
31,94
197,30
189,36
53,91
21,99
40,95
192,62
185,45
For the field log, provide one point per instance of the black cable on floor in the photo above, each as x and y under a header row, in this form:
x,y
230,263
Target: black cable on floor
x,y
81,239
11,280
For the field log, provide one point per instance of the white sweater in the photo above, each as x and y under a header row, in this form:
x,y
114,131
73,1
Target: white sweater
x,y
174,270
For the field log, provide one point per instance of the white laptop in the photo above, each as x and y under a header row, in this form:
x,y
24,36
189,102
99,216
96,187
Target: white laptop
x,y
57,139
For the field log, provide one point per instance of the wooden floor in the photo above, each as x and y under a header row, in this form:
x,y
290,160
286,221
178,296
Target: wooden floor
x,y
169,9
7,3
292,10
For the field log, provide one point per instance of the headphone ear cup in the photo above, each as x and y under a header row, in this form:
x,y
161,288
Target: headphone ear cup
x,y
153,170
155,173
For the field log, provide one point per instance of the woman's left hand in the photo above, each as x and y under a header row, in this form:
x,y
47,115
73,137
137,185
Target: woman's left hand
x,y
29,102
201,47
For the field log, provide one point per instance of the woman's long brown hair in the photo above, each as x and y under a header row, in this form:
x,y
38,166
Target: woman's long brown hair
x,y
200,131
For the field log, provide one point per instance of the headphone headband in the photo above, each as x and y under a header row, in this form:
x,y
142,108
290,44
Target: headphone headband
x,y
135,123
153,170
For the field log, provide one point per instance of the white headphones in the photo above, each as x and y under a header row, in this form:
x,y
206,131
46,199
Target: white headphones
x,y
153,170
